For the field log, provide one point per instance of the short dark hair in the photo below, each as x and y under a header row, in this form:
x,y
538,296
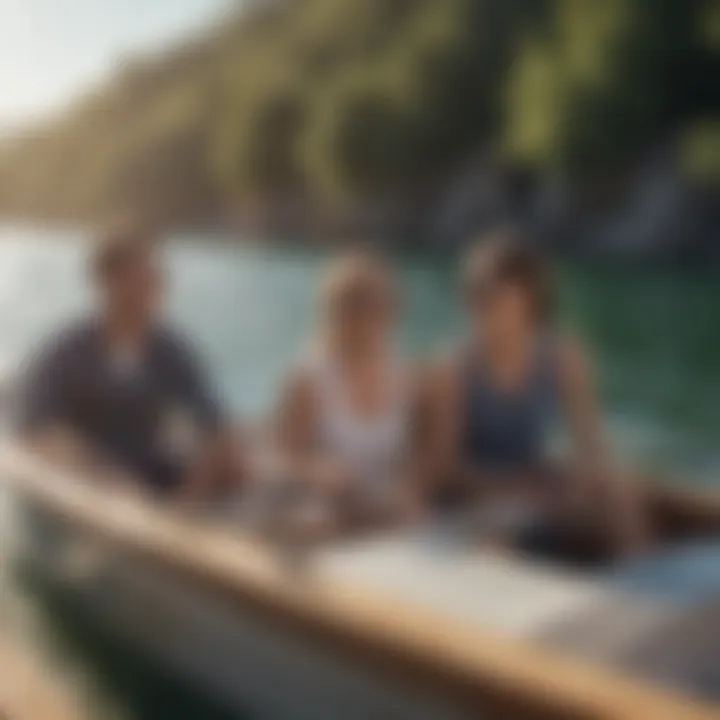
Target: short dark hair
x,y
117,248
508,257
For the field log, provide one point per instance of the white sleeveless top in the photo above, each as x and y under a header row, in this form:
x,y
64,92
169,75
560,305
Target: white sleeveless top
x,y
372,448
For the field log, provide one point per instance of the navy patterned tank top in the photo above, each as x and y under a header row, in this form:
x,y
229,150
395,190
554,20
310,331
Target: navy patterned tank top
x,y
505,431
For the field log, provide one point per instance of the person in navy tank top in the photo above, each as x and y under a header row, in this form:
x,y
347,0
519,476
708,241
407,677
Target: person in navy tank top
x,y
493,404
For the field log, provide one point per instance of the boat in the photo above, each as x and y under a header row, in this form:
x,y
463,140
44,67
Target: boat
x,y
422,623
27,692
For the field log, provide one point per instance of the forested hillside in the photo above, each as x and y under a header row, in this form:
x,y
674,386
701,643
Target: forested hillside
x,y
339,103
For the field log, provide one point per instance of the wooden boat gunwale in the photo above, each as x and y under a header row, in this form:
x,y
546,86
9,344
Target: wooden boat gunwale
x,y
27,691
484,672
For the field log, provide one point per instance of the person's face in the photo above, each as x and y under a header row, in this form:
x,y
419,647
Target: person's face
x,y
135,288
502,310
364,316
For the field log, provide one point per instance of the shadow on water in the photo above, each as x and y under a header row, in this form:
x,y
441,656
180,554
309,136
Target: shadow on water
x,y
130,686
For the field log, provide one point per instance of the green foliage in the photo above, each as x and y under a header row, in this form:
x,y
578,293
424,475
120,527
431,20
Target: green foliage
x,y
701,152
605,81
341,100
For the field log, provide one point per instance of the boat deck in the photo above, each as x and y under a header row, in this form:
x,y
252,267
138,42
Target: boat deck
x,y
466,581
676,643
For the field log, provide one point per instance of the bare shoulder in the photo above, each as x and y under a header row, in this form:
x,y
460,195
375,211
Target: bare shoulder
x,y
416,380
298,385
297,407
442,371
413,373
573,359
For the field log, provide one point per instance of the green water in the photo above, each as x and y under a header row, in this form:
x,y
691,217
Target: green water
x,y
655,337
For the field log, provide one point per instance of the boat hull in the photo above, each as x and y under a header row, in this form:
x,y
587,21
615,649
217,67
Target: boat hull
x,y
389,629
241,660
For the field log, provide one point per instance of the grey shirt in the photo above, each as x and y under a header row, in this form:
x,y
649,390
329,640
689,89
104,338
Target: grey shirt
x,y
121,411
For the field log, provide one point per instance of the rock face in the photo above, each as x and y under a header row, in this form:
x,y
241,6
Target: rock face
x,y
658,215
650,213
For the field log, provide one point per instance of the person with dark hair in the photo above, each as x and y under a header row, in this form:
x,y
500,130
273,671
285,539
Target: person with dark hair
x,y
124,388
493,404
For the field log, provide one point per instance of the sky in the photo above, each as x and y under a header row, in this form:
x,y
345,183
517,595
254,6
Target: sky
x,y
51,50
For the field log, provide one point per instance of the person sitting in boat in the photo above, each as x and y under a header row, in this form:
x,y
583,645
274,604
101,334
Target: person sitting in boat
x,y
494,402
344,416
125,390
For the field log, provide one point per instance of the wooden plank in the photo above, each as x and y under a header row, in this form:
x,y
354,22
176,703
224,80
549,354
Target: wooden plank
x,y
486,672
27,692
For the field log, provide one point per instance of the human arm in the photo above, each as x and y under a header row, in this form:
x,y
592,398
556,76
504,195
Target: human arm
x,y
296,423
594,469
218,456
437,455
41,398
43,410
416,474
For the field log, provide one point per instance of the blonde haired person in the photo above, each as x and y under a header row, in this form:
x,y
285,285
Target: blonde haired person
x,y
344,418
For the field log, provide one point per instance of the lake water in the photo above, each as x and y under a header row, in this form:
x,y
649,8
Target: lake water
x,y
655,336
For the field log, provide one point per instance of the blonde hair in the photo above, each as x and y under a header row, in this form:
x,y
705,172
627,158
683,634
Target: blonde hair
x,y
346,276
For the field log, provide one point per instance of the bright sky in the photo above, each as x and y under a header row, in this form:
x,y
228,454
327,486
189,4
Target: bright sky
x,y
51,50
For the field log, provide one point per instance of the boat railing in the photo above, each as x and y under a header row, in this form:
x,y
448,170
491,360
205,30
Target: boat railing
x,y
469,665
